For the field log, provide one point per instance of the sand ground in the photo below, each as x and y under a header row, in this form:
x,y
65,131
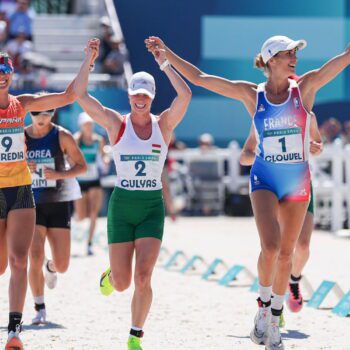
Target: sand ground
x,y
188,313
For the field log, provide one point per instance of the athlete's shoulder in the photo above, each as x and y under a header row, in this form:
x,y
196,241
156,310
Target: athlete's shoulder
x,y
63,131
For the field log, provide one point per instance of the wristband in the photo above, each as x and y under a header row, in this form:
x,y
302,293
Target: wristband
x,y
91,67
165,64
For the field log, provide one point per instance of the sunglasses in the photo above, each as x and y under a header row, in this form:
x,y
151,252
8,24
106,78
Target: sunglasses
x,y
6,69
51,112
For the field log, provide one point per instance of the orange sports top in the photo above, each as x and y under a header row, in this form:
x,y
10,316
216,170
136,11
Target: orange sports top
x,y
13,166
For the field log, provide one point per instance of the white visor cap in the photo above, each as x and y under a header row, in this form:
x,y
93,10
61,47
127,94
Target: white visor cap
x,y
142,83
279,43
84,118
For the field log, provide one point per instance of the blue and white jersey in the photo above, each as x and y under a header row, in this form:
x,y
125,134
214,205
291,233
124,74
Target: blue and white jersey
x,y
282,130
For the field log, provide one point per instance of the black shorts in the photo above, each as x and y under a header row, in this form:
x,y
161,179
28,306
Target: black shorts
x,y
54,215
86,185
19,197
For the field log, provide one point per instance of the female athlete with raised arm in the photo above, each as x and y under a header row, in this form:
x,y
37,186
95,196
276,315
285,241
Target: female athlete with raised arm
x,y
16,198
280,177
139,142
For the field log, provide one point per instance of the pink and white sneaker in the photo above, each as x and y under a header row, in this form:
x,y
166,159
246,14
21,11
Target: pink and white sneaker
x,y
295,300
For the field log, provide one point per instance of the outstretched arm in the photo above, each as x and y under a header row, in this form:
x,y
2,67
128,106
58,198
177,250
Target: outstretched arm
x,y
48,101
314,80
247,156
106,117
174,114
240,90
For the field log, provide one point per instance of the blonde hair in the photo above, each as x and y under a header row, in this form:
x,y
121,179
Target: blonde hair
x,y
260,64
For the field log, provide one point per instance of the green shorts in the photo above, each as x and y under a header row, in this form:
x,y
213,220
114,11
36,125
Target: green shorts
x,y
135,214
310,208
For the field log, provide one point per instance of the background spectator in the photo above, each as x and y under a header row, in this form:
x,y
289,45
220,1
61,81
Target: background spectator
x,y
3,33
206,142
105,38
8,7
17,47
346,133
331,130
114,62
21,19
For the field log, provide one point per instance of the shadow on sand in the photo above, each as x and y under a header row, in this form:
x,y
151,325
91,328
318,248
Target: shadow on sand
x,y
30,327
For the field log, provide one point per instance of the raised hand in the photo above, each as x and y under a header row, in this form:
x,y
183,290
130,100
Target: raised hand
x,y
92,49
154,43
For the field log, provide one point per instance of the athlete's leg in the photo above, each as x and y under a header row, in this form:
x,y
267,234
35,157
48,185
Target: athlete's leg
x,y
37,257
19,238
300,258
291,218
147,251
3,247
302,250
120,257
80,207
168,200
94,197
60,242
265,207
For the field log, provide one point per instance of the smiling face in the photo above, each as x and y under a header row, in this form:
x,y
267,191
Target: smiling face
x,y
284,63
140,103
5,81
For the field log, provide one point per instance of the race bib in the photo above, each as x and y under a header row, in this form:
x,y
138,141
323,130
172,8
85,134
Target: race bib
x,y
11,145
39,180
91,173
283,146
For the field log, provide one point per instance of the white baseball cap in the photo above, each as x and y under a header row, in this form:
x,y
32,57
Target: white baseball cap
x,y
279,43
84,118
142,83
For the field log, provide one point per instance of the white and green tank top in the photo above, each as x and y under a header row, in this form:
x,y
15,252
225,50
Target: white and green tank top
x,y
91,154
139,163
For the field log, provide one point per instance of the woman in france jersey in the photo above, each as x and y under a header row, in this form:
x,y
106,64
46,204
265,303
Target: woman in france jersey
x,y
280,177
139,144
295,299
16,197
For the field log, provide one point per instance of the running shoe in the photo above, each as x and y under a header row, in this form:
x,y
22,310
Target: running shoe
x,y
50,277
90,252
13,342
273,339
40,317
105,285
261,321
134,343
295,299
282,322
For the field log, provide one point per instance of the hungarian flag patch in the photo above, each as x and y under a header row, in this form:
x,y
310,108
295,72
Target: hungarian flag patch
x,y
156,148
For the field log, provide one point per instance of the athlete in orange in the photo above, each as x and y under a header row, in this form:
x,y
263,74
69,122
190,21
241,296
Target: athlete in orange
x,y
17,208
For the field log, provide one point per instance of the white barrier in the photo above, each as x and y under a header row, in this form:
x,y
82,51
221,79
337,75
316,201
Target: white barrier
x,y
330,186
207,174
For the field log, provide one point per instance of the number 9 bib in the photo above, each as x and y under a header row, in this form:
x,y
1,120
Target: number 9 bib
x,y
12,145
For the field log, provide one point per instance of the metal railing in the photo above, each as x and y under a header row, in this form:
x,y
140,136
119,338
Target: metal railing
x,y
53,6
117,30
